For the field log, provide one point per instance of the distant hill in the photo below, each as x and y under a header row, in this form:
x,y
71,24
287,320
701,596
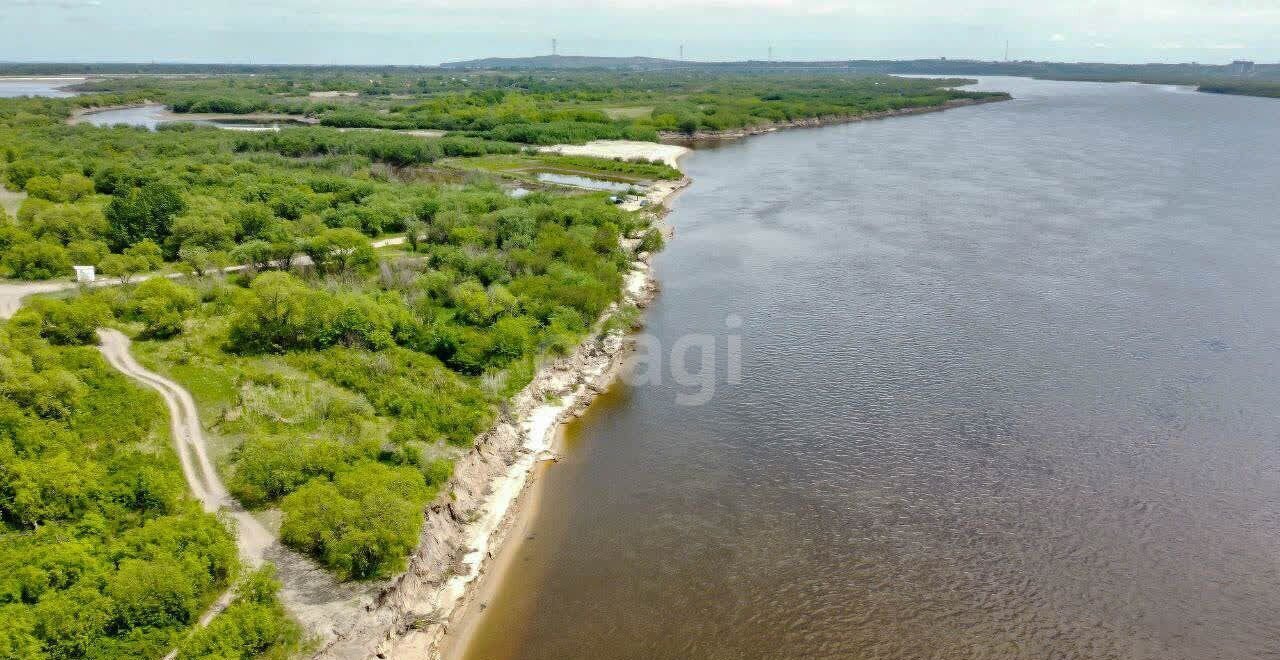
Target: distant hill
x,y
564,62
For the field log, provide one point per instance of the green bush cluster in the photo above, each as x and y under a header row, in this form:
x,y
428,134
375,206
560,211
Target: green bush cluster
x,y
363,522
394,148
254,625
338,370
640,168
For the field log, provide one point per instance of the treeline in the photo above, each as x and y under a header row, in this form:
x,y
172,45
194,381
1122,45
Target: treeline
x,y
542,108
1243,88
393,148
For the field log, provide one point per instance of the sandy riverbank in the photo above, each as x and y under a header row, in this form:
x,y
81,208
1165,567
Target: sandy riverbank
x,y
624,149
524,509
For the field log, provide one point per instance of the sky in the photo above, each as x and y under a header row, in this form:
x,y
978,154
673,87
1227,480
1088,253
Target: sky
x,y
435,31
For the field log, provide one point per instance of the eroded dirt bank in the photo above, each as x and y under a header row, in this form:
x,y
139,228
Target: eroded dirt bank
x,y
471,519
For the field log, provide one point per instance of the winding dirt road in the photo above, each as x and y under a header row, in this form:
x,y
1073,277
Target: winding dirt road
x,y
192,449
322,604
13,292
325,607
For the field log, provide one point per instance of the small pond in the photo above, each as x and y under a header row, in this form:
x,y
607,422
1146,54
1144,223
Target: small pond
x,y
584,182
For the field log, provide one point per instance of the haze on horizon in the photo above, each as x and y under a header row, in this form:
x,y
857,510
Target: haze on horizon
x,y
434,31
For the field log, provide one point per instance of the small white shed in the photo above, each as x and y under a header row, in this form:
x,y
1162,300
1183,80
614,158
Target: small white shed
x,y
85,273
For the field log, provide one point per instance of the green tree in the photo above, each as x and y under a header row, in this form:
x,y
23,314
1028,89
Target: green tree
x,y
415,233
148,251
363,523
75,186
122,266
515,227
254,220
68,222
255,625
45,187
204,230
153,594
86,252
652,241
198,260
161,305
341,250
144,213
70,322
275,318
36,260
257,254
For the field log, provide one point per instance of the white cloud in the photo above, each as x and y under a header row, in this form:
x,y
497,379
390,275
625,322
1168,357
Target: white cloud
x,y
1057,37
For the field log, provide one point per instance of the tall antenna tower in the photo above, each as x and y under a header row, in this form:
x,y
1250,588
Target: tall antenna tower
x,y
555,46
1006,50
682,52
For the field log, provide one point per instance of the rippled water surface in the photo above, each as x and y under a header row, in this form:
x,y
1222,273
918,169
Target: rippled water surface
x,y
1009,390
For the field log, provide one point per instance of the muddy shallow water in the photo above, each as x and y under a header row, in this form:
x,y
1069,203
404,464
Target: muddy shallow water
x,y
1009,389
49,87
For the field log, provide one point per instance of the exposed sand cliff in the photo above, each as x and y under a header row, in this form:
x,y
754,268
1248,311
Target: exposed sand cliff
x,y
474,514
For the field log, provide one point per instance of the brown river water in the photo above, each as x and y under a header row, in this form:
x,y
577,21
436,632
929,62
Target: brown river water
x,y
1008,390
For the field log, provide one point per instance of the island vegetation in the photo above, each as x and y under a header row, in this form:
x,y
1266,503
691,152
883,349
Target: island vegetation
x,y
545,109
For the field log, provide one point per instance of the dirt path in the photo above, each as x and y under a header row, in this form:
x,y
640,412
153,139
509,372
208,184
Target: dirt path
x,y
325,607
13,292
252,537
311,594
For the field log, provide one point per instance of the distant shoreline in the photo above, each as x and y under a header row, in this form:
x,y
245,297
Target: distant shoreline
x,y
672,137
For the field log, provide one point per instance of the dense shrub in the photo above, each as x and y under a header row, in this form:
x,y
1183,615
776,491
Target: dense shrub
x,y
36,260
161,305
363,523
254,625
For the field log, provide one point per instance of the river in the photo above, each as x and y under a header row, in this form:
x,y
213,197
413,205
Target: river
x,y
152,116
1008,389
50,87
